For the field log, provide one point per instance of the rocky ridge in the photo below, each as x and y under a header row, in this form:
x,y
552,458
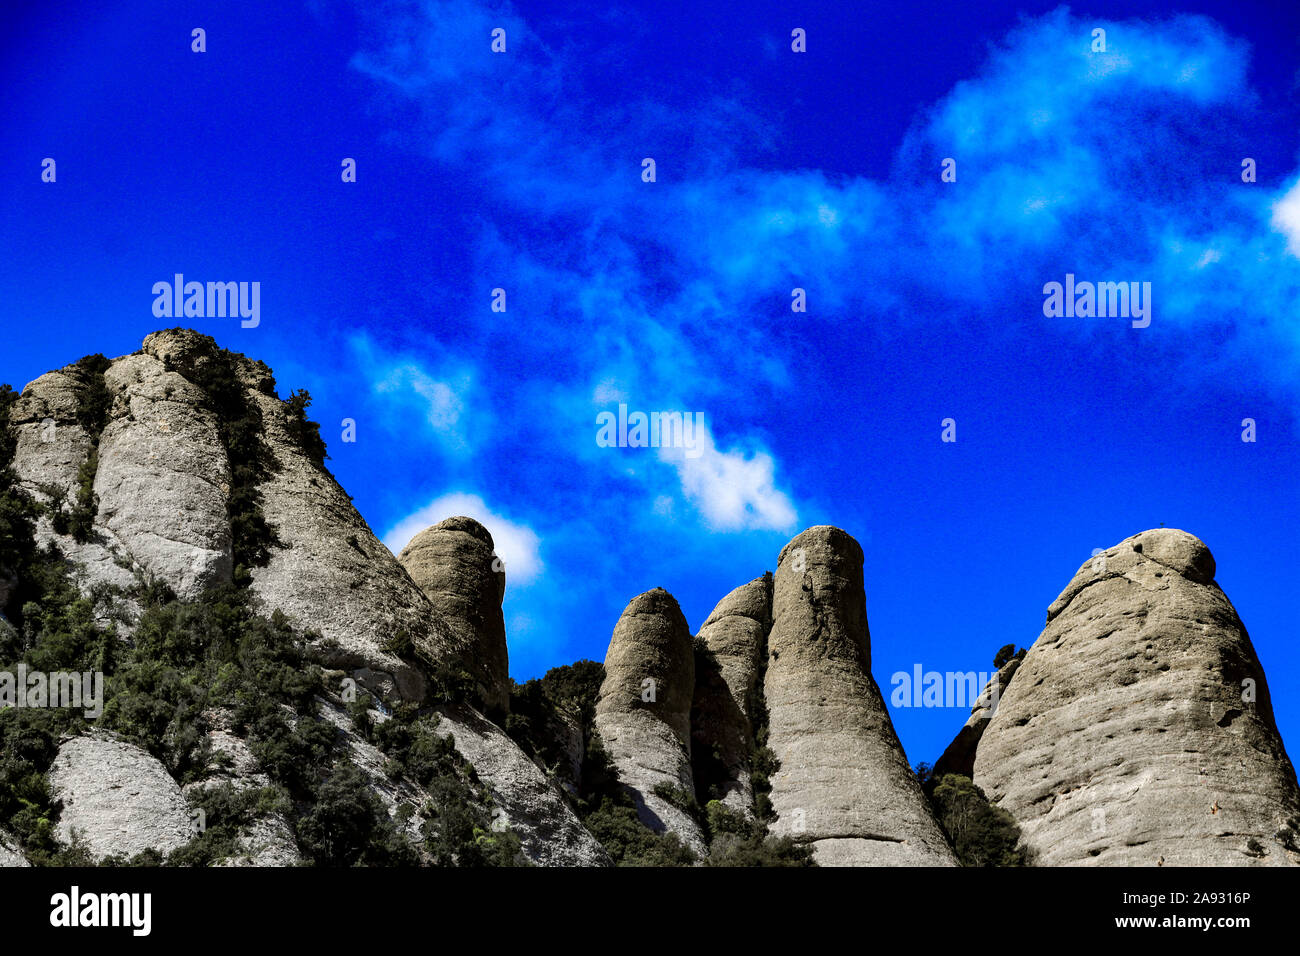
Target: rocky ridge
x,y
179,468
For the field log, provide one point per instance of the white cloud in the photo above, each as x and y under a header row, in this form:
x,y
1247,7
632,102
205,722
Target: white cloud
x,y
733,492
442,401
1286,218
517,545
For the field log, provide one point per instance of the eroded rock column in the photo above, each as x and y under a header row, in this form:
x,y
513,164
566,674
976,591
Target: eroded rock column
x,y
844,783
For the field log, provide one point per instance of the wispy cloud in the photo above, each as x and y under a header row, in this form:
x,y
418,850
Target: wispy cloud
x,y
1067,160
734,491
1286,218
448,401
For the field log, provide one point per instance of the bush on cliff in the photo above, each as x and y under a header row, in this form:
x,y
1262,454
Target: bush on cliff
x,y
981,834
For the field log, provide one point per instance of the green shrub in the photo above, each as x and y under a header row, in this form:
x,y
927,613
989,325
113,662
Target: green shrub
x,y
981,834
304,431
736,840
628,841
1006,654
542,704
17,510
341,826
239,428
458,822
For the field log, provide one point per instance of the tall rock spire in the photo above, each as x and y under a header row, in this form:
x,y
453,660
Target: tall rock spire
x,y
727,675
844,782
1138,729
455,566
643,713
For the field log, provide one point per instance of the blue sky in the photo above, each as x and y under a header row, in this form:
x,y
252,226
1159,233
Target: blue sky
x,y
775,170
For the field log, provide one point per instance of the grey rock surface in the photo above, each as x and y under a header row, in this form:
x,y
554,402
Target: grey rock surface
x,y
50,443
455,564
267,841
533,806
118,798
163,479
726,688
50,448
643,712
10,855
330,574
844,783
1124,739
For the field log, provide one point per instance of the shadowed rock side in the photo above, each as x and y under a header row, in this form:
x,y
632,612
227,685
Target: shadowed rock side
x,y
1124,739
643,712
726,677
548,829
844,783
959,757
454,564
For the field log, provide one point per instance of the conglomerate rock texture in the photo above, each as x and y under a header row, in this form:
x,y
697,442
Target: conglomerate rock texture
x,y
118,798
1139,729
727,688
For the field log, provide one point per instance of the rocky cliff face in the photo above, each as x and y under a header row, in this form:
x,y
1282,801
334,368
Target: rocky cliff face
x,y
727,688
154,486
117,798
1138,731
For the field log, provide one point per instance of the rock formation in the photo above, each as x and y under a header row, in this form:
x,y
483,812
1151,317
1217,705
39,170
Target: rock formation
x,y
118,798
726,689
551,833
163,479
643,714
454,563
1139,728
844,782
51,447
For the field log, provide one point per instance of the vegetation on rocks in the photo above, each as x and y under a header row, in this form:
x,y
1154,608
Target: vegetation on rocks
x,y
605,807
93,403
459,828
304,432
239,427
981,834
